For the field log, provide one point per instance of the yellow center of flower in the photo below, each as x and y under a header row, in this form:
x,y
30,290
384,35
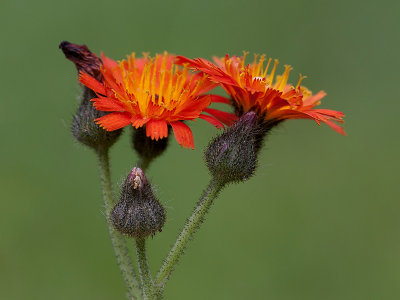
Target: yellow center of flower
x,y
236,67
156,84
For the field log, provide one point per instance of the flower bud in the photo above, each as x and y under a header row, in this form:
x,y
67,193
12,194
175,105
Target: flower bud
x,y
232,156
138,213
147,148
84,128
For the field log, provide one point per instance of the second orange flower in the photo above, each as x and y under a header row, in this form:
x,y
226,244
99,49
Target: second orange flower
x,y
254,87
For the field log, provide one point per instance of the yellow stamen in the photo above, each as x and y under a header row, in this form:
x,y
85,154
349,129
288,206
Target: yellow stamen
x,y
125,78
258,67
140,89
180,83
271,76
153,80
266,69
125,66
241,80
145,55
168,93
281,83
144,89
189,84
300,79
131,60
228,63
163,73
242,62
254,72
261,66
146,86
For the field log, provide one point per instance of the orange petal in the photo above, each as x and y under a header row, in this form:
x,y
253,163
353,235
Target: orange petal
x,y
215,73
335,127
329,112
108,104
181,60
114,121
212,121
108,63
318,117
220,99
157,129
91,83
312,100
191,109
138,121
224,117
183,134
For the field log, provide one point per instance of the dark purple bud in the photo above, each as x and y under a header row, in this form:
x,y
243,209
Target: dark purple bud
x,y
84,60
232,156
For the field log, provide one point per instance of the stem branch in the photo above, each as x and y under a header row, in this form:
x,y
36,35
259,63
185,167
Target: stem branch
x,y
145,275
143,163
118,241
192,224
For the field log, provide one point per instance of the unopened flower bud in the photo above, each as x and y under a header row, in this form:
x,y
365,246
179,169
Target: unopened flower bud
x,y
232,156
138,213
84,128
147,148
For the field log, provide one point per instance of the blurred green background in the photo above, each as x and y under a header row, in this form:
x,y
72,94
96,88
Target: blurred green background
x,y
320,220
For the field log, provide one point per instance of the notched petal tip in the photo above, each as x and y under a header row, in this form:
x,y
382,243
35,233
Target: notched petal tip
x,y
91,83
157,129
114,121
183,134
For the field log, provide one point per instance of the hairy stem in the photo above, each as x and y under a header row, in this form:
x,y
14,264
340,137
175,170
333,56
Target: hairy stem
x,y
118,241
145,275
191,225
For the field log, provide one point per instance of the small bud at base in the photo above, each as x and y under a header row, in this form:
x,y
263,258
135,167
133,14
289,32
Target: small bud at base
x,y
138,213
85,129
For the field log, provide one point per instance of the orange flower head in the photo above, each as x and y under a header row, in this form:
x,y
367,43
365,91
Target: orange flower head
x,y
254,87
156,93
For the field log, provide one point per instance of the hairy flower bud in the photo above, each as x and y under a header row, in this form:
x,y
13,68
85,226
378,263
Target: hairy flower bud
x,y
147,148
84,128
232,156
138,213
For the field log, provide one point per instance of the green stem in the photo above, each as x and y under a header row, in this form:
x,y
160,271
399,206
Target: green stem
x,y
145,275
192,224
143,164
118,241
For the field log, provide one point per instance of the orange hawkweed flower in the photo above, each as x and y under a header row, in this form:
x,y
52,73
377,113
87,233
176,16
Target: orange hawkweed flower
x,y
254,88
156,93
